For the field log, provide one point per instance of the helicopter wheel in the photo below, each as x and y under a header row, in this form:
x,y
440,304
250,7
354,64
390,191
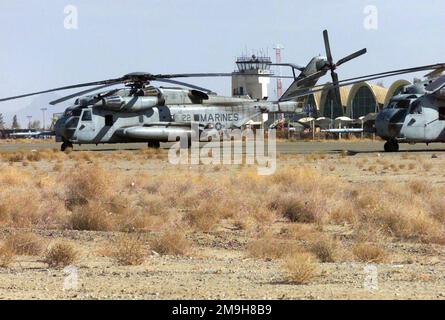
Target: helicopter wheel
x,y
154,144
66,145
391,146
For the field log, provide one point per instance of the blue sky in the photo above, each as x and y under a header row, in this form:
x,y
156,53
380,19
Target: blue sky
x,y
117,37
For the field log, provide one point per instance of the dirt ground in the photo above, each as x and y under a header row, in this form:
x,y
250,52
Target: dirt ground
x,y
219,267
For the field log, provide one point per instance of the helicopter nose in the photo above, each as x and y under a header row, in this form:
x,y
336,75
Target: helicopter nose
x,y
389,122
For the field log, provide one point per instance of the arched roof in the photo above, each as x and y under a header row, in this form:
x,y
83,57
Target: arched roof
x,y
393,88
378,92
381,95
344,92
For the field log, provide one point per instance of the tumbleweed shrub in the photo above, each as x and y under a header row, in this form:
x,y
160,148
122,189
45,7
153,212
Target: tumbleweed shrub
x,y
7,256
397,212
61,254
88,182
129,250
300,232
29,200
171,242
19,208
25,243
302,194
325,249
300,267
269,247
91,216
367,252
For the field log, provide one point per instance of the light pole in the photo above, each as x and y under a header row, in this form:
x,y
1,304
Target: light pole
x,y
43,122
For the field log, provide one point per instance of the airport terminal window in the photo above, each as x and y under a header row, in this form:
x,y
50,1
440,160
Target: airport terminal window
x,y
363,103
86,115
441,113
331,107
109,120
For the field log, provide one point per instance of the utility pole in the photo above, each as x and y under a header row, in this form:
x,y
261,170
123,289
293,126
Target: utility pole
x,y
278,49
43,111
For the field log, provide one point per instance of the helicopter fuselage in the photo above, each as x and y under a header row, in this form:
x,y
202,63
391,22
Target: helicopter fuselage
x,y
412,118
163,117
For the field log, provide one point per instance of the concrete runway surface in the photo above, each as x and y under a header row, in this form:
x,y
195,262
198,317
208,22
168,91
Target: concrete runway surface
x,y
300,147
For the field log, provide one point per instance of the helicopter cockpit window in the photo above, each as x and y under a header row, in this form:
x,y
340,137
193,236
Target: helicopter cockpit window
x,y
86,116
415,107
402,104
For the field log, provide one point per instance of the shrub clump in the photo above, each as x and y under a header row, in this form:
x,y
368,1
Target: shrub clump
x,y
171,242
7,256
366,252
61,254
129,251
25,244
300,267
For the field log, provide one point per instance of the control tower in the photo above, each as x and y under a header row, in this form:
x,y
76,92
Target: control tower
x,y
247,80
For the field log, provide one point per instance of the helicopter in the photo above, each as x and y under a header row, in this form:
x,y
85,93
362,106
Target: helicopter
x,y
415,115
141,112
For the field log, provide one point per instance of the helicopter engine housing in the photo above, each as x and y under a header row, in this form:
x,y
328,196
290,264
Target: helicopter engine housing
x,y
130,104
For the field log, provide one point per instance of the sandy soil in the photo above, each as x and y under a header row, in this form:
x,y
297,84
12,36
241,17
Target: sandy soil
x,y
219,267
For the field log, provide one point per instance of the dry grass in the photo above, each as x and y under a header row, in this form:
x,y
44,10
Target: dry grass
x,y
366,252
61,254
25,244
325,249
129,251
301,201
300,232
91,216
300,267
7,256
171,242
270,248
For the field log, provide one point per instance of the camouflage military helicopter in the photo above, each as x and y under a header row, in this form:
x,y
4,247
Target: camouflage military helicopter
x,y
415,115
140,112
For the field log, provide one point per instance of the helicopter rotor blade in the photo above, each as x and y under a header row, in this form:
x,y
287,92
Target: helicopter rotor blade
x,y
185,85
352,81
351,56
87,84
80,93
336,87
385,74
208,75
312,76
327,47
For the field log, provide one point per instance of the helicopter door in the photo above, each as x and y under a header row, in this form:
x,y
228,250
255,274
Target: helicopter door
x,y
414,125
85,131
435,126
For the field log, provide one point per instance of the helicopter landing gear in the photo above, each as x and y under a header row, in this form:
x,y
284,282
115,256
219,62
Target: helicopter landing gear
x,y
391,146
66,145
154,144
